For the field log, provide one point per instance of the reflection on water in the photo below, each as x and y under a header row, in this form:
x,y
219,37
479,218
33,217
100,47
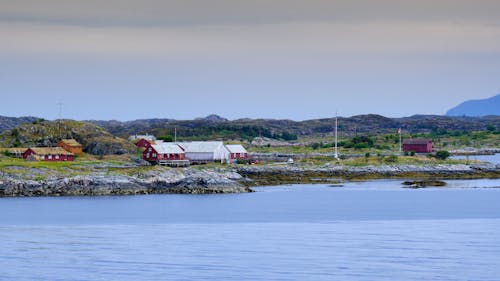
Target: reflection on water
x,y
362,231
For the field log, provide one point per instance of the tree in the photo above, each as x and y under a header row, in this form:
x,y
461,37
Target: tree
x,y
442,155
166,138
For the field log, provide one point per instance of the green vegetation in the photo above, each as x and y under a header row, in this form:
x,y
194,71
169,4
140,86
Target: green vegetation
x,y
442,154
166,138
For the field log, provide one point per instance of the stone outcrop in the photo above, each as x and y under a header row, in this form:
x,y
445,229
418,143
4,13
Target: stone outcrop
x,y
158,181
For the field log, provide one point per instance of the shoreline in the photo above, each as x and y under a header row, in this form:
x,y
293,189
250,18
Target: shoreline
x,y
216,180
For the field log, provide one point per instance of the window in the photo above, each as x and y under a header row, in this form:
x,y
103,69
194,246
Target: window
x,y
57,156
49,157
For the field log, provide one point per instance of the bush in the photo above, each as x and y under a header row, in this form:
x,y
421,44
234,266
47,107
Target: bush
x,y
391,159
412,153
442,155
367,155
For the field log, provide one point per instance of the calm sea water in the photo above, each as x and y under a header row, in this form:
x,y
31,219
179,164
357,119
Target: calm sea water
x,y
495,159
363,231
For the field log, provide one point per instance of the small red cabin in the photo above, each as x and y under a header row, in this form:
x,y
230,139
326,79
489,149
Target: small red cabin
x,y
163,151
48,154
71,145
237,151
418,145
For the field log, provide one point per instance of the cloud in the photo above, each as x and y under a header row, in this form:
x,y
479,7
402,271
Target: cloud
x,y
293,40
230,12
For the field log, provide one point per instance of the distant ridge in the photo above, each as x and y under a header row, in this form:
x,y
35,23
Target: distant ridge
x,y
484,107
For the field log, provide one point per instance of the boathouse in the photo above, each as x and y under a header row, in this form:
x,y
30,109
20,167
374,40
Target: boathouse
x,y
54,154
418,145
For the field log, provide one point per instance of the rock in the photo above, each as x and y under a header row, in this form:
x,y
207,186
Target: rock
x,y
423,183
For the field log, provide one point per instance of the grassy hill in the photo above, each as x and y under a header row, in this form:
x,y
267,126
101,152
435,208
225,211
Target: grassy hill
x,y
95,140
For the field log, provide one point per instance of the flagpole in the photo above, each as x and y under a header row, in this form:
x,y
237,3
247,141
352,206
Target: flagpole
x,y
400,143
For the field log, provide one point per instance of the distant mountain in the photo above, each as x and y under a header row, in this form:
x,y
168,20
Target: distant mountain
x,y
485,107
208,128
7,123
218,128
213,118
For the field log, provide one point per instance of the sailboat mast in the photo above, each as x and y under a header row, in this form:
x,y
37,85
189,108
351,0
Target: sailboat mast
x,y
336,123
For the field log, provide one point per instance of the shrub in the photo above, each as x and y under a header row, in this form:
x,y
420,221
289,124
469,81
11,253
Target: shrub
x,y
442,154
391,159
367,155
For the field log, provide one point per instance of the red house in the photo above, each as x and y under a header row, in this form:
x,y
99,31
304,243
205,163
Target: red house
x,y
418,145
144,143
48,154
237,151
163,152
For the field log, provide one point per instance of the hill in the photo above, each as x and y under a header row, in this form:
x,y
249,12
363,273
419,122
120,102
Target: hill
x,y
484,107
95,140
7,123
219,128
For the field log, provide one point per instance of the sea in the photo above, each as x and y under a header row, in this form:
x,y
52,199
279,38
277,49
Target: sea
x,y
369,230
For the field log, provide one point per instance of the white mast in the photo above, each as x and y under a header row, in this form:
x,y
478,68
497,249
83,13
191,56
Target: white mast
x,y
336,151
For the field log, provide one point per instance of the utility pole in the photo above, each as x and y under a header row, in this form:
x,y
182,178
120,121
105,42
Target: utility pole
x,y
175,134
60,105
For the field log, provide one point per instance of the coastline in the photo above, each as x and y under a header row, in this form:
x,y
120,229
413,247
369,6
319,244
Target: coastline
x,y
212,180
287,174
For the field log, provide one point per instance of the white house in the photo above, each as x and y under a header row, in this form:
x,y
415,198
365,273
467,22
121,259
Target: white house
x,y
205,151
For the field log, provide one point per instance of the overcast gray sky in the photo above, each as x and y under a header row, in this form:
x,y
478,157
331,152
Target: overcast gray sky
x,y
262,58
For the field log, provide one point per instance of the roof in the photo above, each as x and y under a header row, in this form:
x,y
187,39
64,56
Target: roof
x,y
167,148
71,142
146,137
417,141
236,148
15,149
50,151
201,146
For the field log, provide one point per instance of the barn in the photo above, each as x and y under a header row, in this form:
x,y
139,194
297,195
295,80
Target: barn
x,y
418,145
71,145
237,151
205,151
48,154
165,153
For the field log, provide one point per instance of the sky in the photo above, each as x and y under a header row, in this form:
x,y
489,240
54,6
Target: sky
x,y
290,59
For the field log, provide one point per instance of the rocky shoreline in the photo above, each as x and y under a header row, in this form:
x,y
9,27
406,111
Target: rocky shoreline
x,y
281,174
157,181
18,181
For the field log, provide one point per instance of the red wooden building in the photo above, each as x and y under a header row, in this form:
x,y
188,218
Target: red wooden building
x,y
163,152
237,151
418,145
71,145
48,154
144,143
